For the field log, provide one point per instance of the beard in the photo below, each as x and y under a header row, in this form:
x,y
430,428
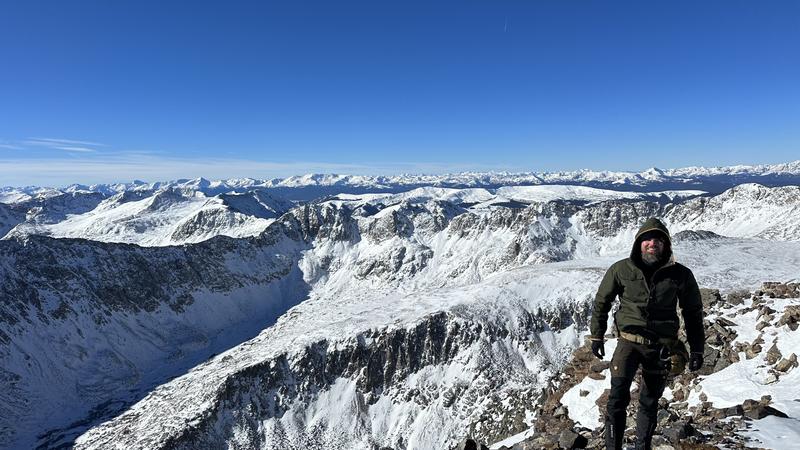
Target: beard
x,y
651,259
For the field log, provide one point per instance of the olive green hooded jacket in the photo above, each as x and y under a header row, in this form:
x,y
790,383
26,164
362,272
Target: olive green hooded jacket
x,y
648,308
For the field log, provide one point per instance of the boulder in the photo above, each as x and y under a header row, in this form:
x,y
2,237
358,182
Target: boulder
x,y
790,317
752,351
765,310
773,354
737,297
725,322
596,443
760,411
600,366
665,417
772,377
678,431
709,297
786,364
596,376
727,412
571,439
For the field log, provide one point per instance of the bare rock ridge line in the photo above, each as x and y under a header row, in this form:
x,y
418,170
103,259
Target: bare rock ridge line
x,y
274,384
174,216
377,362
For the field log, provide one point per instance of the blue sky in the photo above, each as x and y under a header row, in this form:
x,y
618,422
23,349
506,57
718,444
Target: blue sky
x,y
100,91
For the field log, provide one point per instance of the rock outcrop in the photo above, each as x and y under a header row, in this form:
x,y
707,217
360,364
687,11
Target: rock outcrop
x,y
686,417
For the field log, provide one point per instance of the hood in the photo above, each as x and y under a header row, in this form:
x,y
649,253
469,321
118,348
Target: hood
x,y
652,224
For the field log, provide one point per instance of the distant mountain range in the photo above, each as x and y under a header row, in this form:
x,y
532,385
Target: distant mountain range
x,y
311,186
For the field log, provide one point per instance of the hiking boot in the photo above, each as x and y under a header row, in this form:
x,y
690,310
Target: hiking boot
x,y
645,427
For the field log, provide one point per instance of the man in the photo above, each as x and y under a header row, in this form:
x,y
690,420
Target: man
x,y
650,286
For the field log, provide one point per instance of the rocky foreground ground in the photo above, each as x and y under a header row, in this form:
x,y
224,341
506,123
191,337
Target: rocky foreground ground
x,y
739,326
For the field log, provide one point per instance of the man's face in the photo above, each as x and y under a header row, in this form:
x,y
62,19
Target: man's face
x,y
652,246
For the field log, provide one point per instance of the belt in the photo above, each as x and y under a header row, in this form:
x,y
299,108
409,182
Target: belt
x,y
636,338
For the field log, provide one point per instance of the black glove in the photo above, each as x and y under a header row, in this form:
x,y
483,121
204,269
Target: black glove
x,y
695,361
598,349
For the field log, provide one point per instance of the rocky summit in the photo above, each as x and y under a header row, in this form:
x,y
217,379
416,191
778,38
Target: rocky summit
x,y
695,413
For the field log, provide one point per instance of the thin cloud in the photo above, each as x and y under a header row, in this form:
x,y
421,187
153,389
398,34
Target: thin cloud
x,y
76,149
11,146
65,141
68,145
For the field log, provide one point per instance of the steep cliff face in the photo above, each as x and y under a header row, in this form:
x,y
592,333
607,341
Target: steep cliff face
x,y
426,317
55,208
9,218
416,380
84,323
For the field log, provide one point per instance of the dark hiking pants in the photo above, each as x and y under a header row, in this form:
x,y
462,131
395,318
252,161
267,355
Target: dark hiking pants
x,y
626,361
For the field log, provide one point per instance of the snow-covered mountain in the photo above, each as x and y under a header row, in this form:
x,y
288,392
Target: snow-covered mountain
x,y
313,186
172,216
168,216
745,210
417,317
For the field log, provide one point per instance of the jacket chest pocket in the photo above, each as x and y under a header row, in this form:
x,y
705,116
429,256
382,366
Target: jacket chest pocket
x,y
665,293
634,289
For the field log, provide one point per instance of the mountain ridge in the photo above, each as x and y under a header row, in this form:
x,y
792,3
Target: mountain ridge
x,y
310,186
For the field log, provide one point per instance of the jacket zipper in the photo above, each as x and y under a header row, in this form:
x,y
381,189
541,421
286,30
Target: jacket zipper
x,y
647,282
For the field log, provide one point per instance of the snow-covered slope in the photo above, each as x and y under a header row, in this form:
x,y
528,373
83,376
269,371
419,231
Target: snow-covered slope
x,y
88,327
171,216
548,193
11,195
167,217
745,210
519,196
